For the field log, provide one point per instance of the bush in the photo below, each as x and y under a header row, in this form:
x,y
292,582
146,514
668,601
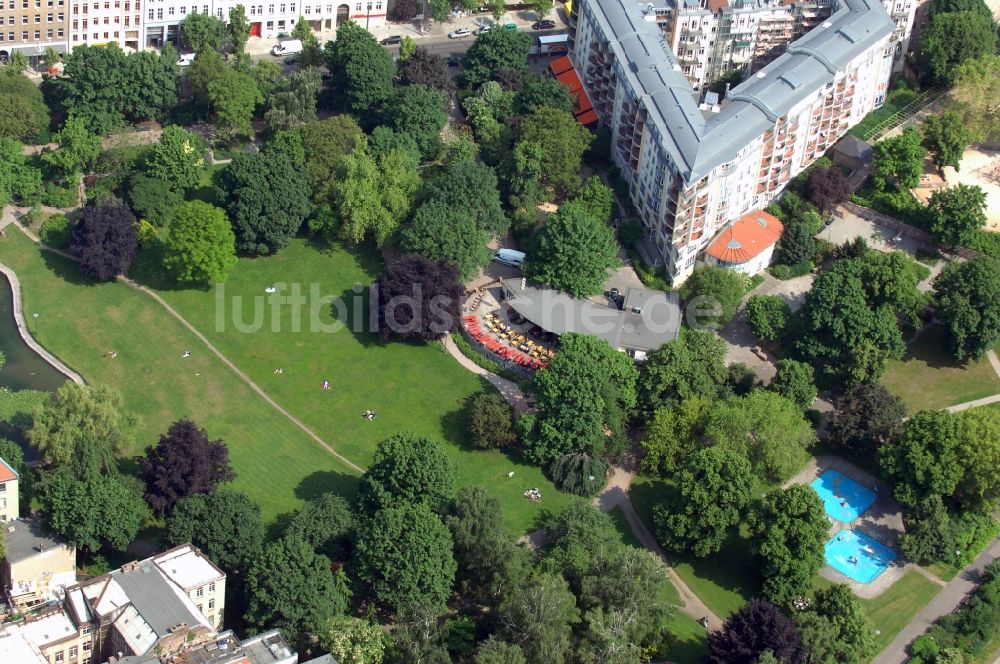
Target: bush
x,y
56,232
629,231
58,196
490,422
987,242
768,315
579,474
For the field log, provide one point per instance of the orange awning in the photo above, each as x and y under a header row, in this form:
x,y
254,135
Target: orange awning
x,y
587,118
560,65
583,110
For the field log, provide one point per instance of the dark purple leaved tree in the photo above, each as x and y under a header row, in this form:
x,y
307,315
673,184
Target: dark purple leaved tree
x,y
106,240
758,627
184,462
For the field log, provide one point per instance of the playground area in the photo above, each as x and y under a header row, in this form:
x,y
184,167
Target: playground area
x,y
980,167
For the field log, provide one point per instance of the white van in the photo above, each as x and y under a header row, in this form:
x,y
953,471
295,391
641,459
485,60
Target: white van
x,y
287,47
509,257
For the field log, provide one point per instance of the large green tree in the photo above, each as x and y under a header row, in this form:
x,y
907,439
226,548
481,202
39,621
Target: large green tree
x,y
865,418
693,365
312,52
899,159
767,316
711,491
200,244
836,629
672,434
83,428
238,29
353,640
795,381
951,39
407,470
203,32
789,529
225,525
767,428
492,51
324,523
93,511
539,615
979,447
946,136
369,197
563,141
78,148
362,69
490,422
968,295
444,233
18,179
233,96
292,100
420,112
572,396
490,563
23,113
957,214
290,587
153,199
924,459
178,158
326,143
717,290
472,186
404,555
573,252
267,198
976,95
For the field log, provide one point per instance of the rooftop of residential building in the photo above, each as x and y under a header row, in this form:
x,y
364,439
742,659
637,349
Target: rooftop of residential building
x,y
26,538
746,238
186,566
267,648
50,628
698,144
7,472
14,647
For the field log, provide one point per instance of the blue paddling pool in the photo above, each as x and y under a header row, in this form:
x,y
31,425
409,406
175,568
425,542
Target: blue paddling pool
x,y
844,499
858,556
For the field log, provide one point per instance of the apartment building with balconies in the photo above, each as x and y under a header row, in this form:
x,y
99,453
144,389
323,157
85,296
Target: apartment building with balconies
x,y
692,171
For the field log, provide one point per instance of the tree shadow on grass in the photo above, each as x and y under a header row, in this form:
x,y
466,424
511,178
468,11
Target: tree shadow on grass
x,y
147,269
67,270
327,481
931,348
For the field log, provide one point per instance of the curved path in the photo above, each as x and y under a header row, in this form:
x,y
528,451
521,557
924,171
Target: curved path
x,y
614,494
215,351
22,328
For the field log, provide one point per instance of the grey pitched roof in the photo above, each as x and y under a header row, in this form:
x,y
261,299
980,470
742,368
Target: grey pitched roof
x,y
852,146
699,145
153,598
658,319
26,538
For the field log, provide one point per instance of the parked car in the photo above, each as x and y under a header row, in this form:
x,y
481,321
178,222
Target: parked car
x,y
454,60
483,30
510,27
185,60
460,33
287,47
543,25
394,39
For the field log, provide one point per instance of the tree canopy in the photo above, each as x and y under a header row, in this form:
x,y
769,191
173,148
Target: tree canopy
x,y
767,428
767,316
184,462
672,434
836,629
865,418
572,396
23,113
976,95
539,615
712,285
952,38
827,187
691,365
493,50
756,628
444,233
178,158
795,381
224,524
563,141
490,421
899,159
957,213
968,295
426,68
406,470
712,489
290,587
924,460
946,136
404,555
789,532
83,428
200,244
417,299
472,186
362,70
203,32
421,112
268,200
323,523
18,179
573,252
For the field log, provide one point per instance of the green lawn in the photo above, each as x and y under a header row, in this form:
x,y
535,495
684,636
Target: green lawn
x,y
928,377
893,609
413,387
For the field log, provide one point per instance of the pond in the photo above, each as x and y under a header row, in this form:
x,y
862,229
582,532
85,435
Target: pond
x,y
24,369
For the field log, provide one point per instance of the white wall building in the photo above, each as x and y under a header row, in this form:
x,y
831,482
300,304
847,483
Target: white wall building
x,y
690,172
101,22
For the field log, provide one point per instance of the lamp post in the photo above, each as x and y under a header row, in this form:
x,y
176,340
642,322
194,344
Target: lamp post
x,y
368,15
35,316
